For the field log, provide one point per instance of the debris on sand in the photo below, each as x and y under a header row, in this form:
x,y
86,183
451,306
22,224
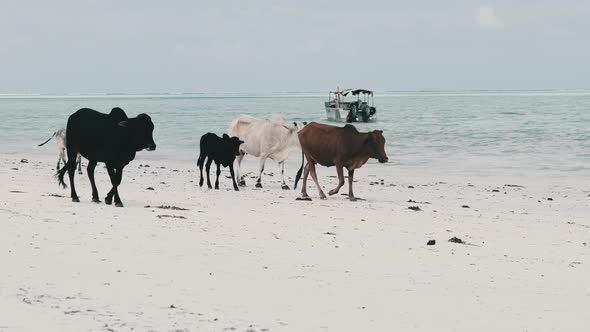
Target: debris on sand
x,y
172,306
24,161
465,206
455,239
160,216
411,187
413,201
549,198
431,242
168,207
55,195
16,192
513,185
149,188
495,191
415,208
329,233
303,199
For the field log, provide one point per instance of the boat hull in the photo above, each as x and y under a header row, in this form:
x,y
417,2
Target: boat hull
x,y
340,115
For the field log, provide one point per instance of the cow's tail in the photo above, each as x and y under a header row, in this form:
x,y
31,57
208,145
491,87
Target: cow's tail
x,y
298,176
49,139
62,172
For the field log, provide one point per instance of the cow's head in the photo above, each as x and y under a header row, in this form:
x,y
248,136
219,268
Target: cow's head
x,y
234,144
375,143
141,130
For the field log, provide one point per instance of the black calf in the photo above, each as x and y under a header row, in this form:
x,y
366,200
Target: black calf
x,y
222,150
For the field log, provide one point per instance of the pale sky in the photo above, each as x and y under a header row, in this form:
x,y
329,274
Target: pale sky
x,y
139,46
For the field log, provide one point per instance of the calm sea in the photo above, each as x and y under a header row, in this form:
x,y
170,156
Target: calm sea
x,y
488,133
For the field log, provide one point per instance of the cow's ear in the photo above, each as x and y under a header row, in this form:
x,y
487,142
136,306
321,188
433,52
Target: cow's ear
x,y
225,136
123,124
241,142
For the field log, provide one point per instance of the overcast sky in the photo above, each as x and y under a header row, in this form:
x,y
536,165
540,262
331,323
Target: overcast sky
x,y
137,46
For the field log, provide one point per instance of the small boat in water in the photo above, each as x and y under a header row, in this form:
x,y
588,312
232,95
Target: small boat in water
x,y
360,110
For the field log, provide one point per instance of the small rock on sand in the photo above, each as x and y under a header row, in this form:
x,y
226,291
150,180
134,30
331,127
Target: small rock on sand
x,y
455,239
549,198
24,161
149,188
431,242
415,208
465,206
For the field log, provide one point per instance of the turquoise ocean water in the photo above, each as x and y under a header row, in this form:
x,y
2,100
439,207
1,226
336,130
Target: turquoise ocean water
x,y
540,132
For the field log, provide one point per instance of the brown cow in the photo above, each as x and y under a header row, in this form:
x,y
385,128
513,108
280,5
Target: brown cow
x,y
337,146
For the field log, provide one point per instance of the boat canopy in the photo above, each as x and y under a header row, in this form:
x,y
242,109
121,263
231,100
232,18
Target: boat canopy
x,y
354,92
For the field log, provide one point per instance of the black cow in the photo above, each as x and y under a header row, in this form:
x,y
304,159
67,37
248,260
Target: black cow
x,y
221,150
110,138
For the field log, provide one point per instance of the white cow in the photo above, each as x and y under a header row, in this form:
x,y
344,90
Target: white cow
x,y
264,138
60,139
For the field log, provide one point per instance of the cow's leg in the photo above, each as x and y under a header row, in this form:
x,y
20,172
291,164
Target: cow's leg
x,y
200,162
259,181
115,175
79,162
207,168
304,182
217,175
109,197
350,179
90,169
233,177
239,175
314,176
340,180
119,177
71,167
284,185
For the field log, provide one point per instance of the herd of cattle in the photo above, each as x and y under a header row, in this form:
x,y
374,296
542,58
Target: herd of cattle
x,y
115,138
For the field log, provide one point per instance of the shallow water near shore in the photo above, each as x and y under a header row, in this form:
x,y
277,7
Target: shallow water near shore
x,y
486,133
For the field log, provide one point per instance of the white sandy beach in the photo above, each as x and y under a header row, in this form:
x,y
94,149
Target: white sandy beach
x,y
258,260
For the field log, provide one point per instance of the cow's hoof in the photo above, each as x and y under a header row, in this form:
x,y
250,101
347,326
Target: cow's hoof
x,y
258,185
285,187
216,187
201,183
242,183
332,192
75,199
306,198
236,189
118,204
353,199
322,196
108,200
95,200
